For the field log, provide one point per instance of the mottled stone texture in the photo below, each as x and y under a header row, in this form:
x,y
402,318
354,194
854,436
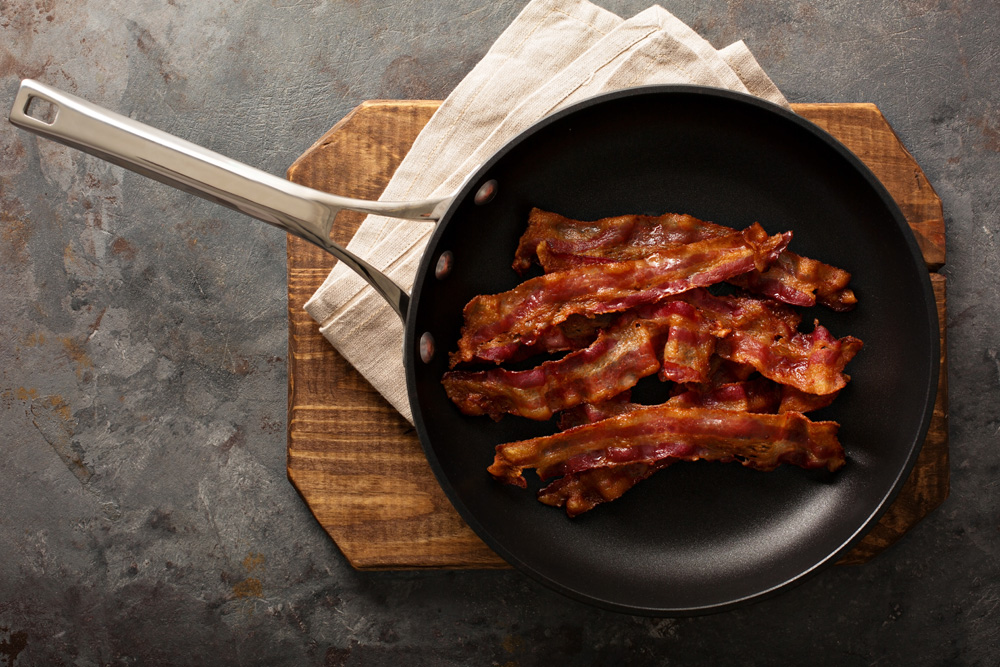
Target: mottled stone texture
x,y
146,516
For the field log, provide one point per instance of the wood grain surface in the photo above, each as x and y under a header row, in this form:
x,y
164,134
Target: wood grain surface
x,y
359,465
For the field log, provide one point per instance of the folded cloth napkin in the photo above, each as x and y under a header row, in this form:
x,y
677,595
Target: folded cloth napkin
x,y
555,53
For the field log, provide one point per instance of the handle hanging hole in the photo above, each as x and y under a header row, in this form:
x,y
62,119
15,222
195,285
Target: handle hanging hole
x,y
41,110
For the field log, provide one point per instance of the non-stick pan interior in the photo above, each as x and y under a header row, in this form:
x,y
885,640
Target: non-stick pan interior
x,y
696,536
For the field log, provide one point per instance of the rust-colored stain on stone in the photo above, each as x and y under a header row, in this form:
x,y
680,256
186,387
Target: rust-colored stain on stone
x,y
24,394
77,354
249,588
990,132
15,232
122,248
34,339
254,561
57,405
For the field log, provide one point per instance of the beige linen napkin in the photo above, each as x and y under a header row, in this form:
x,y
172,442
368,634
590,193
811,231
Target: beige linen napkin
x,y
555,53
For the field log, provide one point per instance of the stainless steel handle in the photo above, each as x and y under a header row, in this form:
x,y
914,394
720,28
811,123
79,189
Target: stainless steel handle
x,y
299,210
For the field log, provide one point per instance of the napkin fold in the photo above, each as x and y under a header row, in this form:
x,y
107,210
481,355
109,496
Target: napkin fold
x,y
555,53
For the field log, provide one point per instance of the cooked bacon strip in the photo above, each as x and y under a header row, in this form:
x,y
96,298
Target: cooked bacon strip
x,y
652,434
588,413
794,400
763,334
671,336
558,243
631,237
812,363
617,360
756,333
524,313
576,333
723,371
758,395
801,281
744,313
583,491
689,345
735,392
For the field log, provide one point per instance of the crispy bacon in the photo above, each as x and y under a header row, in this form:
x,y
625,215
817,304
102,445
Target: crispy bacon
x,y
626,297
652,434
588,413
583,491
801,281
619,238
763,334
521,315
617,360
812,363
744,313
794,400
671,337
756,334
723,371
758,395
558,243
689,344
576,333
734,393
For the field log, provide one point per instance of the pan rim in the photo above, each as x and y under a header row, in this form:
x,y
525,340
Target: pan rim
x,y
929,393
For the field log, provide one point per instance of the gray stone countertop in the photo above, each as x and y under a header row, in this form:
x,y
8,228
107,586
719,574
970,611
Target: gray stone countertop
x,y
146,514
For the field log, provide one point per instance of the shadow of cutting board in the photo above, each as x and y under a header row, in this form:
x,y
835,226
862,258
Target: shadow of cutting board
x,y
359,465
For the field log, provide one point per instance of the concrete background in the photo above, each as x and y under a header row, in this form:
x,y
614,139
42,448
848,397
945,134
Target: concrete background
x,y
146,516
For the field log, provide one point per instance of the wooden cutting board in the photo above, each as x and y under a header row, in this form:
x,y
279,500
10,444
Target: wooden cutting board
x,y
359,465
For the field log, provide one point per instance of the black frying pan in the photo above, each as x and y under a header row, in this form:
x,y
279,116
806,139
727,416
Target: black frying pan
x,y
695,537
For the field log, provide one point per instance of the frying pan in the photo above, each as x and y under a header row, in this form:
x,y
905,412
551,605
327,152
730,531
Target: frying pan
x,y
696,537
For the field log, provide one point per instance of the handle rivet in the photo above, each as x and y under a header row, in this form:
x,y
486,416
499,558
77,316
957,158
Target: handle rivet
x,y
444,264
426,347
487,191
